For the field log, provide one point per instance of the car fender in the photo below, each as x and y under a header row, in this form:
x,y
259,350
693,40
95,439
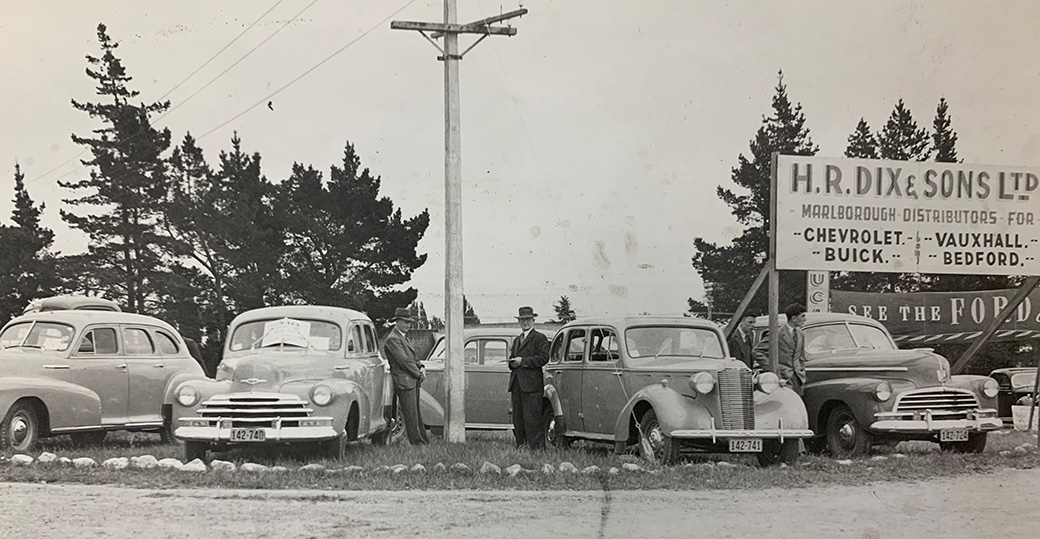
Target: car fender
x,y
550,394
346,393
674,411
430,410
68,405
207,388
973,383
856,393
176,380
782,408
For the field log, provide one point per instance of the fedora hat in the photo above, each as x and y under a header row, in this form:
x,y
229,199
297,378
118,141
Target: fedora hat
x,y
403,313
526,312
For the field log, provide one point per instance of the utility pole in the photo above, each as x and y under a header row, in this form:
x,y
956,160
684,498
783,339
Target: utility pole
x,y
455,421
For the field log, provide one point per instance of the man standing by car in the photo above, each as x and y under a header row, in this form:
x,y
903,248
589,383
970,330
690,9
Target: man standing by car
x,y
529,353
407,373
791,348
740,343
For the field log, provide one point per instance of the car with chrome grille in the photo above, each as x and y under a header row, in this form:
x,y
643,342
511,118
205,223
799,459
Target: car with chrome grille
x,y
862,390
667,385
294,374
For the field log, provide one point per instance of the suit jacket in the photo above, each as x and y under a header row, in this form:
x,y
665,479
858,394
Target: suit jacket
x,y
533,354
740,348
404,365
791,363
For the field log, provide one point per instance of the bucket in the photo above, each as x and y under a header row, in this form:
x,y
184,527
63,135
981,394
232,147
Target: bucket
x,y
1020,415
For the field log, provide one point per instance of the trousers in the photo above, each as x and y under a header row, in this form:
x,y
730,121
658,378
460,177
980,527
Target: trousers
x,y
528,427
408,400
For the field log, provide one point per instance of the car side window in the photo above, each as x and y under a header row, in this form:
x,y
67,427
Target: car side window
x,y
827,338
575,345
470,353
354,342
99,341
603,345
137,342
370,339
556,350
167,344
493,352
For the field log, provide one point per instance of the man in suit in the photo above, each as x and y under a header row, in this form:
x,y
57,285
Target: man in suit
x,y
407,372
791,347
529,353
741,343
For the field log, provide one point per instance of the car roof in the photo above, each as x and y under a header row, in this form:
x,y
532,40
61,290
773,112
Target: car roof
x,y
622,322
339,314
70,302
1014,370
86,317
817,318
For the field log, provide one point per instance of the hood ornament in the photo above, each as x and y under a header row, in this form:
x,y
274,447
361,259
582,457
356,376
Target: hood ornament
x,y
253,381
941,373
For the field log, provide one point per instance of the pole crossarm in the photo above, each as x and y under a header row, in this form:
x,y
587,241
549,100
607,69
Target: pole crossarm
x,y
441,28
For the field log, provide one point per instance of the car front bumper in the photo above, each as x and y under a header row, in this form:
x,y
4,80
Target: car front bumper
x,y
220,430
928,422
715,435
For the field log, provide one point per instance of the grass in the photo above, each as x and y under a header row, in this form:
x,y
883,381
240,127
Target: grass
x,y
921,461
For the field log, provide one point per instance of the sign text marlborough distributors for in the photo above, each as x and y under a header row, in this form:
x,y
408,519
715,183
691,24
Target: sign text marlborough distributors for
x,y
896,216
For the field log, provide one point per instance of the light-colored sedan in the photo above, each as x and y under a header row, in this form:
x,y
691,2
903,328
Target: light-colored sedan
x,y
85,373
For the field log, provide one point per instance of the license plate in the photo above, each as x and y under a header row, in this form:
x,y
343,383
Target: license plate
x,y
745,445
953,435
248,435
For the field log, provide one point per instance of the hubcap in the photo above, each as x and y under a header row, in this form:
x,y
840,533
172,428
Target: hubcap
x,y
19,430
655,438
847,434
550,431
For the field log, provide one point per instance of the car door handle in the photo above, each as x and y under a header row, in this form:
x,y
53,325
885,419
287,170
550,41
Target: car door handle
x,y
57,367
560,371
618,374
159,365
342,367
121,366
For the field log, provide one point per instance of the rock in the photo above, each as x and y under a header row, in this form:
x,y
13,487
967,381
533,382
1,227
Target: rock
x,y
488,468
22,460
45,458
567,467
783,465
589,470
398,468
613,471
460,467
1025,448
417,468
879,457
222,466
898,456
170,463
724,464
82,462
380,469
631,467
548,469
194,466
64,461
845,462
312,468
116,463
144,462
511,471
279,469
353,469
439,467
253,467
1005,453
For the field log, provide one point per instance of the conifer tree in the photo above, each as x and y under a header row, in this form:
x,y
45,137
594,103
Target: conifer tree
x,y
901,139
28,270
944,138
862,143
564,312
469,316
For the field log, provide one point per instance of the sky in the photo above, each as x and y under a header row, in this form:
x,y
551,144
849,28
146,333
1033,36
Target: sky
x,y
592,141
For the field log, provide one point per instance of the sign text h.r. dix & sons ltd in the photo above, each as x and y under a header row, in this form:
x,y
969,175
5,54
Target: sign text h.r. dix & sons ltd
x,y
897,216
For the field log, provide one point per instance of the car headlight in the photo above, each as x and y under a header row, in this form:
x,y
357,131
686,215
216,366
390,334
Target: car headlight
x,y
767,382
321,395
883,392
990,388
702,382
187,395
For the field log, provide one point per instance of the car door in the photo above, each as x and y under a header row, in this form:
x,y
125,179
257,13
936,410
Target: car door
x,y
487,380
146,373
603,393
374,364
568,356
97,364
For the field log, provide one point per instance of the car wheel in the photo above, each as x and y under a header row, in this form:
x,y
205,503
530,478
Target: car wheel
x,y
976,444
845,437
195,450
553,429
166,432
774,452
21,428
397,432
88,439
654,445
336,448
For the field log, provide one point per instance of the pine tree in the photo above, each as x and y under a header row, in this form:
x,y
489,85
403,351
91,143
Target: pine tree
x,y
944,139
564,312
900,139
862,143
127,184
729,271
27,268
469,316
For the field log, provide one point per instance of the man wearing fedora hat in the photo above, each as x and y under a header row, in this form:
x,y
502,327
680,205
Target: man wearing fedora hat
x,y
407,373
529,353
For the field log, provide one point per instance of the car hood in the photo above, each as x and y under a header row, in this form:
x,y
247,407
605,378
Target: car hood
x,y
920,366
19,361
681,364
270,369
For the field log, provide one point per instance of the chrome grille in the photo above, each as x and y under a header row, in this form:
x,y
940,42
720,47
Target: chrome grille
x,y
736,395
937,400
254,411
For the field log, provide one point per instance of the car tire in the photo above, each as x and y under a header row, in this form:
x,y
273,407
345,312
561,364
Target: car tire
x,y
976,444
654,445
20,429
553,425
166,432
336,448
195,450
845,437
88,439
774,452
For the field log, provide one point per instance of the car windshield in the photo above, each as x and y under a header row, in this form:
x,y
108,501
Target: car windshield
x,y
649,342
43,335
871,337
1023,380
317,334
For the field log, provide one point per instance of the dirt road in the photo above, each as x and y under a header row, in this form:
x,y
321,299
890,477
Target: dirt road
x,y
1002,505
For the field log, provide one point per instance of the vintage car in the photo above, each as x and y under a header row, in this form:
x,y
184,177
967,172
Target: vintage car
x,y
666,385
85,373
1014,383
71,303
488,404
294,374
860,390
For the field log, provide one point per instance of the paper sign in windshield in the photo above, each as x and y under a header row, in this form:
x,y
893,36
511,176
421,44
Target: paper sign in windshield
x,y
286,331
